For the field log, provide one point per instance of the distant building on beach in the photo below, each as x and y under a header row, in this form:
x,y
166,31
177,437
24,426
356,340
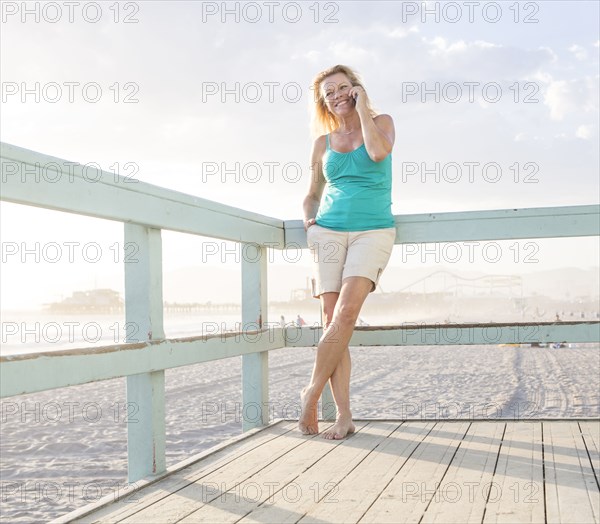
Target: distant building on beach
x,y
93,301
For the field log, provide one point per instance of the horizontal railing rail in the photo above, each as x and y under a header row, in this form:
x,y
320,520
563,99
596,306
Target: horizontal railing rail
x,y
35,179
501,224
40,371
40,180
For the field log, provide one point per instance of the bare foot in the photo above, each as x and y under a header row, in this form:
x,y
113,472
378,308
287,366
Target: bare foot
x,y
309,418
342,427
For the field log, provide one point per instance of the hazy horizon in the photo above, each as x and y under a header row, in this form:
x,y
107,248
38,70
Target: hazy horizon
x,y
178,287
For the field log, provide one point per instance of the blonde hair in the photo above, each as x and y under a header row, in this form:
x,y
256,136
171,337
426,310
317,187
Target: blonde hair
x,y
322,120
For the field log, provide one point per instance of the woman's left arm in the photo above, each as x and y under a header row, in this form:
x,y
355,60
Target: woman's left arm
x,y
378,132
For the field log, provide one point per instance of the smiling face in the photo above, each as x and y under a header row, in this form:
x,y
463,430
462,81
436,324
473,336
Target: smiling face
x,y
335,91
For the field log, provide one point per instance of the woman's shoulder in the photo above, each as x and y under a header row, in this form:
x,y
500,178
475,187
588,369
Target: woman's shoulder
x,y
385,123
384,118
320,143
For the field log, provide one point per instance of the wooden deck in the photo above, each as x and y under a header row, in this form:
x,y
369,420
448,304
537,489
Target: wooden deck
x,y
388,471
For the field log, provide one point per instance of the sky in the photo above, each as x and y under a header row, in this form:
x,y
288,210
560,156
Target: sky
x,y
495,106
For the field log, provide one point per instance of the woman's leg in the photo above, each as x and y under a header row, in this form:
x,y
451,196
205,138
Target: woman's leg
x,y
340,380
328,301
340,387
330,352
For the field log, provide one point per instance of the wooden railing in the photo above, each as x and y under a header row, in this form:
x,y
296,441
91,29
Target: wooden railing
x,y
35,179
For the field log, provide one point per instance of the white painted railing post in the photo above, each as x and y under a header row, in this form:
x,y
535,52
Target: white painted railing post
x,y
328,409
144,317
255,366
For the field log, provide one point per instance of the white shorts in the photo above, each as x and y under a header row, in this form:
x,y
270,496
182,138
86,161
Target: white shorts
x,y
341,254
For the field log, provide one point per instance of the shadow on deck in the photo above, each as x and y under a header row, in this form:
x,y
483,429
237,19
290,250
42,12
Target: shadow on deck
x,y
388,471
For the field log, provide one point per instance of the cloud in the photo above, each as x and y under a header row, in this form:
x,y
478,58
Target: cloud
x,y
524,137
571,97
312,56
402,32
343,49
579,52
480,59
439,46
558,99
585,132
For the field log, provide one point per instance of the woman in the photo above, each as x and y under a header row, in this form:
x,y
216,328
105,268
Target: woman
x,y
350,230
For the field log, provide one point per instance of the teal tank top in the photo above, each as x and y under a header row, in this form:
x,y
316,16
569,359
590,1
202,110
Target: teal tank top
x,y
358,194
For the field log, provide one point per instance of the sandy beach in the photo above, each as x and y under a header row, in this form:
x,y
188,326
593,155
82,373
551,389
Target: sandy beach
x,y
65,448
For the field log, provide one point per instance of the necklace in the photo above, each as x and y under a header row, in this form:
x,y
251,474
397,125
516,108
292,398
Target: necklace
x,y
348,133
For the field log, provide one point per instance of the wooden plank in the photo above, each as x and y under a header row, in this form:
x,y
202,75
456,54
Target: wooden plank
x,y
190,498
516,492
422,334
405,498
345,491
239,500
328,407
32,178
318,482
30,373
255,367
194,469
461,496
70,188
590,430
360,488
106,195
572,494
20,374
144,309
497,224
